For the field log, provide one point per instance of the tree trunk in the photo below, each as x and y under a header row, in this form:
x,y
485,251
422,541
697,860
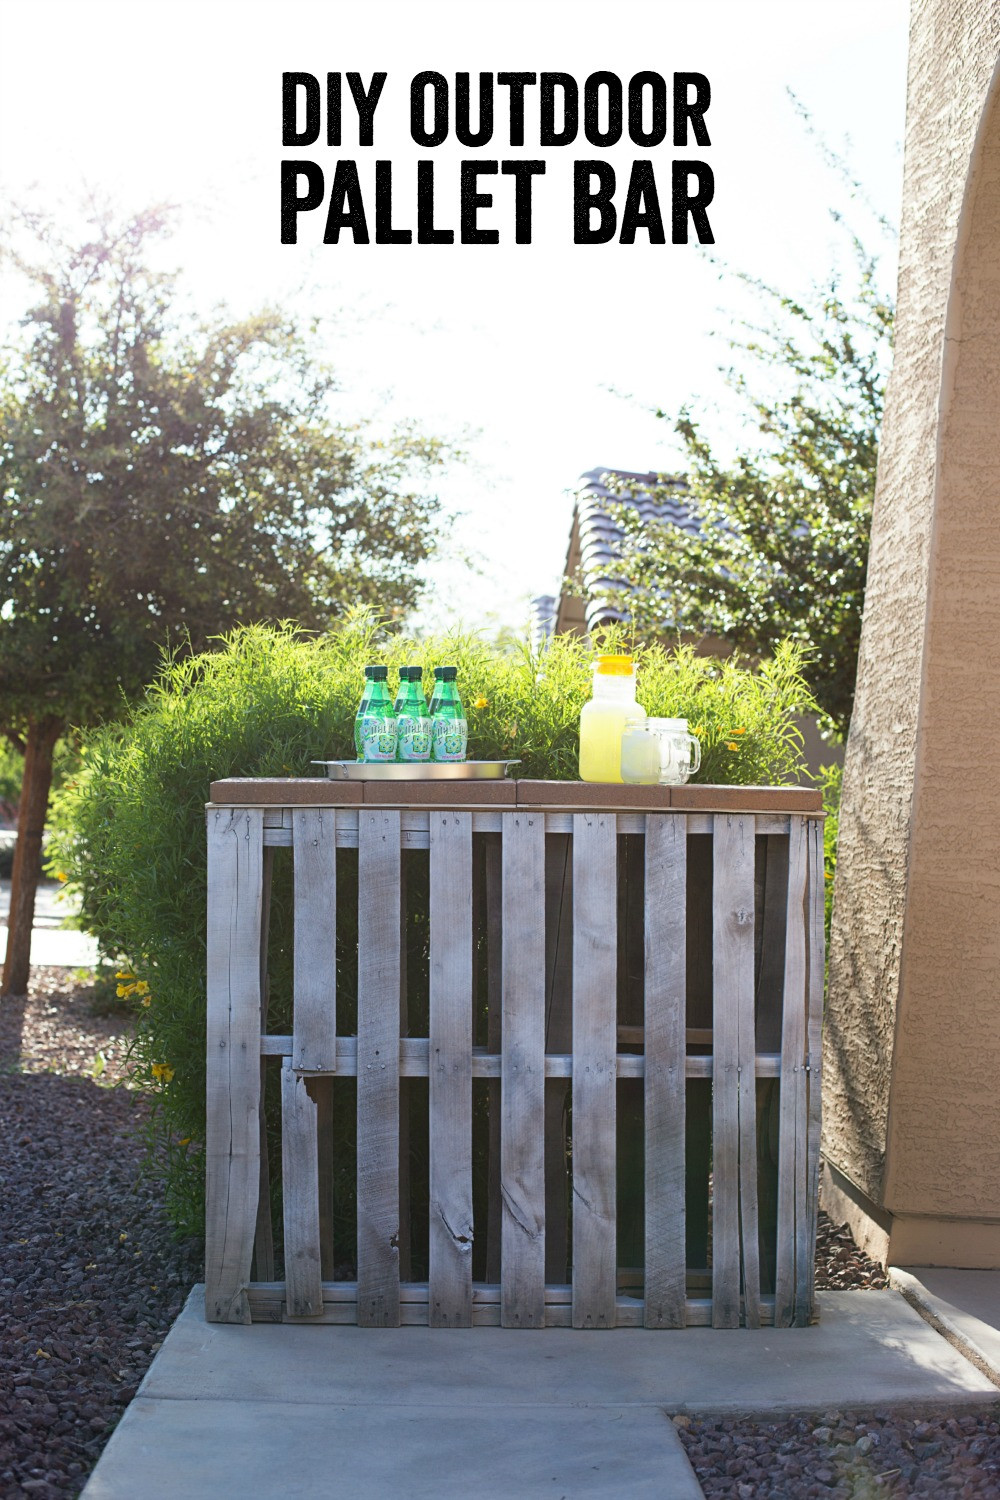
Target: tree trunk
x,y
40,743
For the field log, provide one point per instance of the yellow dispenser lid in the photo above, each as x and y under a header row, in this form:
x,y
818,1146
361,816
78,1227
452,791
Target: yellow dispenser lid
x,y
614,666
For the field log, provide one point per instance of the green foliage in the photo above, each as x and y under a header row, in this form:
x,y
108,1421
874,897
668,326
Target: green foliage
x,y
11,766
783,549
831,780
167,479
129,829
102,997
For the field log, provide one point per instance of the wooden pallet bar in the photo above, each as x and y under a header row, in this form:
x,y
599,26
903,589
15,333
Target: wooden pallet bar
x,y
689,977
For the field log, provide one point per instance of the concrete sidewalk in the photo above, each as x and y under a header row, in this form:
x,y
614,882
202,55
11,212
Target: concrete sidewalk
x,y
964,1304
51,943
228,1413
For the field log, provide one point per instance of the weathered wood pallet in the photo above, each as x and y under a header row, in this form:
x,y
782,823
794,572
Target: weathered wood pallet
x,y
652,983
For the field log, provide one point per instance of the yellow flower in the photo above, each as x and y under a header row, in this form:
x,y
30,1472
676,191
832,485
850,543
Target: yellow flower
x,y
698,730
142,987
730,745
125,974
124,990
184,1140
827,876
162,1072
147,999
739,731
61,876
481,702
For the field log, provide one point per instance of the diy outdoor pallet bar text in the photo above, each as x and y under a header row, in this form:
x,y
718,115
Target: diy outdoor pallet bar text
x,y
601,113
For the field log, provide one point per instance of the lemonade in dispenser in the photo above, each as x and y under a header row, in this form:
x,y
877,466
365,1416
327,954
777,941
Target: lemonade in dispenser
x,y
604,718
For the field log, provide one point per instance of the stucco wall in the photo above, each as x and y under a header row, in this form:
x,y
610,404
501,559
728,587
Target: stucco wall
x,y
920,1022
944,1099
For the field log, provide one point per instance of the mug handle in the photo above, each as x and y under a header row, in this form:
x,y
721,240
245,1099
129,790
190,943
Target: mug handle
x,y
695,743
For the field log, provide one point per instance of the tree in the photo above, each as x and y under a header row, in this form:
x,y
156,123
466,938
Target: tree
x,y
163,481
782,552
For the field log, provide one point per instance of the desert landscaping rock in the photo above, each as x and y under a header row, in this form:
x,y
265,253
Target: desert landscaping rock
x,y
851,1455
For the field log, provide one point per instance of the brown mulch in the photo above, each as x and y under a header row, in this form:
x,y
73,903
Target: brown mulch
x,y
61,1027
91,1279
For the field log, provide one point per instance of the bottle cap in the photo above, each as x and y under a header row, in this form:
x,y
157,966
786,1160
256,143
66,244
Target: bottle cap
x,y
368,672
379,674
446,674
410,674
614,666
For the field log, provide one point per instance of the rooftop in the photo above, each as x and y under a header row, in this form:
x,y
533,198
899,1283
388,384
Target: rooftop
x,y
595,537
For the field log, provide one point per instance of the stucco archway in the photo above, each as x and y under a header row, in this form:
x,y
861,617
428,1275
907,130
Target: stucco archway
x,y
912,1055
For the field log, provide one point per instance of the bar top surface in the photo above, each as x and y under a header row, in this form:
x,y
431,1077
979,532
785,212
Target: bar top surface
x,y
319,791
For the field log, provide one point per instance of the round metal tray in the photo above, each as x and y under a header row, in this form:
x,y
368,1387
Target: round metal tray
x,y
428,770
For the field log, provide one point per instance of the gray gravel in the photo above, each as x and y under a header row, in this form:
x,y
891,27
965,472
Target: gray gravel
x,y
850,1455
90,1275
92,1278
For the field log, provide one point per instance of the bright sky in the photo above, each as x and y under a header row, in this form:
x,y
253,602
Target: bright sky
x,y
532,349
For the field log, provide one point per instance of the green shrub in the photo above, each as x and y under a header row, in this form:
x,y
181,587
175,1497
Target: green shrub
x,y
129,828
830,778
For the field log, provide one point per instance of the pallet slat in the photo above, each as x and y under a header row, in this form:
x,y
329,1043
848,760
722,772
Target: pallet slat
x,y
413,1060
734,1127
339,1307
278,835
314,1003
665,1073
595,1043
493,888
300,1196
791,1104
378,1068
816,972
263,1243
232,1138
522,1083
450,1069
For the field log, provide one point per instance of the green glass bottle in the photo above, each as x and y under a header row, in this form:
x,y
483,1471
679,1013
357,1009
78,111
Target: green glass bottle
x,y
362,707
449,729
378,722
413,721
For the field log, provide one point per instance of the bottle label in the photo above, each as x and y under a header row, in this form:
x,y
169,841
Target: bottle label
x,y
414,737
378,738
450,739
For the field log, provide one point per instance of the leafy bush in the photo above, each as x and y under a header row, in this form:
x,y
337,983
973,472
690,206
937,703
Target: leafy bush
x,y
129,829
831,778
